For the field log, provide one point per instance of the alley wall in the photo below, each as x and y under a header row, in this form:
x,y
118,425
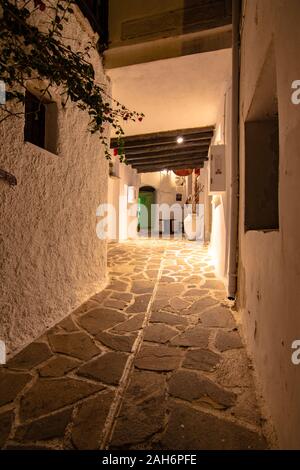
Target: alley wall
x,y
219,239
269,274
123,187
51,258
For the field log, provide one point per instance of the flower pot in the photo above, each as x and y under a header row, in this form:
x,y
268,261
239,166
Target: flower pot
x,y
193,227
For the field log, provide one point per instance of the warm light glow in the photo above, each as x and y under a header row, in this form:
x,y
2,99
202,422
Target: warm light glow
x,y
179,140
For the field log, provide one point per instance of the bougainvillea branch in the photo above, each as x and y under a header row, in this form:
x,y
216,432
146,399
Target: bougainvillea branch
x,y
29,53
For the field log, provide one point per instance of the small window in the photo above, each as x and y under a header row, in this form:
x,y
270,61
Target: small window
x,y
262,152
40,123
35,117
262,165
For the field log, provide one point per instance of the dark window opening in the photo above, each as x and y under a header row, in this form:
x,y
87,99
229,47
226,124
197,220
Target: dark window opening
x,y
262,152
148,189
262,165
96,11
41,123
35,119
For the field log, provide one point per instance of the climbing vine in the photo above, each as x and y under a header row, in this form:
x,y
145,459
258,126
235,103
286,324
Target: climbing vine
x,y
29,52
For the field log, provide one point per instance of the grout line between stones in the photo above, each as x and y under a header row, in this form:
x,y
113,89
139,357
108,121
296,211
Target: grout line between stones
x,y
124,382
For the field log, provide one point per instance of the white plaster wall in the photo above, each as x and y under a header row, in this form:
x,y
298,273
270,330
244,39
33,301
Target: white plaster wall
x,y
269,270
51,258
128,211
151,179
219,242
203,198
218,236
124,225
164,182
113,209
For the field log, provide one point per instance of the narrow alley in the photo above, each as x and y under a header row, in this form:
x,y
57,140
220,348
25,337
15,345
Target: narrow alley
x,y
154,361
149,231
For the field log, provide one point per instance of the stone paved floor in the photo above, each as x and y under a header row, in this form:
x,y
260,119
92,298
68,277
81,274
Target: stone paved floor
x,y
155,361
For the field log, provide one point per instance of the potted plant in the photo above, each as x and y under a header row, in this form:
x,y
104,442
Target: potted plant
x,y
192,222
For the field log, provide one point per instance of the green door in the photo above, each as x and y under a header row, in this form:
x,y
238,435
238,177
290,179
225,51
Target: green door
x,y
146,199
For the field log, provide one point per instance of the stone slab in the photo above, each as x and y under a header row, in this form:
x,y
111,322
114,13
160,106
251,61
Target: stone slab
x,y
159,333
78,345
169,318
140,304
143,410
200,305
219,317
226,340
46,396
190,429
107,368
58,366
68,325
48,427
118,342
133,324
191,386
158,358
101,319
6,420
30,357
90,420
11,384
201,359
196,336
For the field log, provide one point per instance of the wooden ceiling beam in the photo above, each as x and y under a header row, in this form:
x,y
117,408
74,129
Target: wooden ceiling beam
x,y
156,138
173,133
155,170
157,149
164,141
170,156
163,165
200,139
169,166
171,159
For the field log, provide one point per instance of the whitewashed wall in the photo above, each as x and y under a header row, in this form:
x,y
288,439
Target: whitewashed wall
x,y
122,220
269,274
51,258
219,242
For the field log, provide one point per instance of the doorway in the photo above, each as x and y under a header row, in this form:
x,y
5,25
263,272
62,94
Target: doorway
x,y
146,200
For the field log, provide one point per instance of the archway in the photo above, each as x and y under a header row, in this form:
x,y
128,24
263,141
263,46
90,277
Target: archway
x,y
147,197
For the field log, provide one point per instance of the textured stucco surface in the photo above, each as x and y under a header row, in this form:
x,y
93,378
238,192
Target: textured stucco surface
x,y
269,262
51,259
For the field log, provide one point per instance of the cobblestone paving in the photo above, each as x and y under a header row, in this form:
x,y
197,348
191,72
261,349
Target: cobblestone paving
x,y
155,361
